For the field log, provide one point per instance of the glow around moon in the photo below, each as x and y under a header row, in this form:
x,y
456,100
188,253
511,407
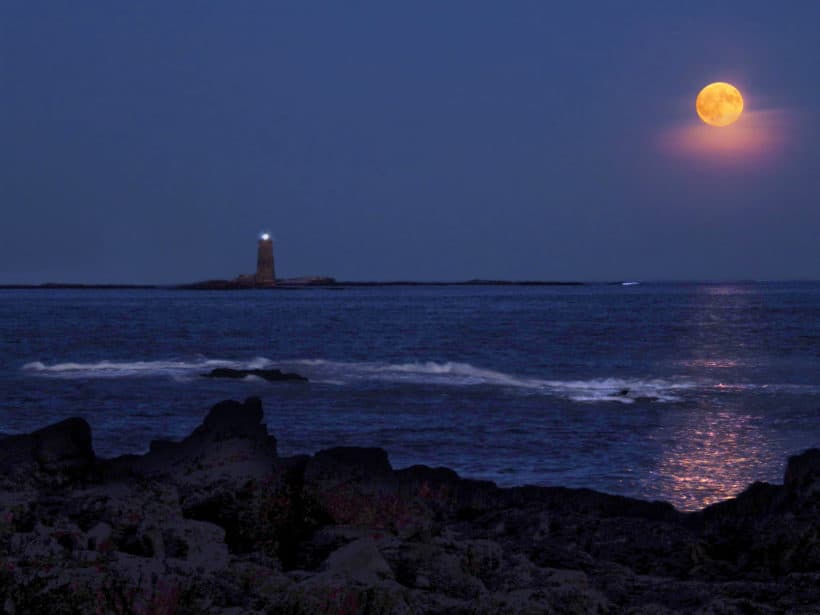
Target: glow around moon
x,y
719,104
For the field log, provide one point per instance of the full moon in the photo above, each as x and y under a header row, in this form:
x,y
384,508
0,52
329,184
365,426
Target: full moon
x,y
719,104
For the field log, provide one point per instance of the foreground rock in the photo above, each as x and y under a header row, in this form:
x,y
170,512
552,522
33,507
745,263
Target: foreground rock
x,y
271,375
219,523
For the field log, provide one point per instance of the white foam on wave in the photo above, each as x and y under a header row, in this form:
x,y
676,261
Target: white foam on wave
x,y
622,390
341,373
177,369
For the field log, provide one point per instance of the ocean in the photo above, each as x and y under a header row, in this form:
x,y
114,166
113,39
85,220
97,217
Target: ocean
x,y
679,392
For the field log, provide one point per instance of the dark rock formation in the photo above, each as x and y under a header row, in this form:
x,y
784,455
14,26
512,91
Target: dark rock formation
x,y
218,523
62,448
231,419
271,375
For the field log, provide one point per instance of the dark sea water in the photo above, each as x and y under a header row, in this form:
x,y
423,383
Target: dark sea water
x,y
680,392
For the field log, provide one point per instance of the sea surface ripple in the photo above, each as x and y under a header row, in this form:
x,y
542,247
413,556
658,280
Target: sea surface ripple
x,y
680,392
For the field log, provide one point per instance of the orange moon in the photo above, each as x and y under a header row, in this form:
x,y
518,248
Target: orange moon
x,y
719,104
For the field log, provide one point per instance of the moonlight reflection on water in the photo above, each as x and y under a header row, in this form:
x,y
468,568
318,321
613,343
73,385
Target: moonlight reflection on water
x,y
710,457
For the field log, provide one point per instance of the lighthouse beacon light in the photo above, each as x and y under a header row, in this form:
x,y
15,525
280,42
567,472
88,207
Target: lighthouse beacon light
x,y
265,236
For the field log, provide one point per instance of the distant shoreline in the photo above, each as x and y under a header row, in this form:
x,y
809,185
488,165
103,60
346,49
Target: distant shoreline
x,y
305,283
286,285
329,283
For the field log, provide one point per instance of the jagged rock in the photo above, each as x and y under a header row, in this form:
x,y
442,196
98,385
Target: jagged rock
x,y
803,472
360,561
349,463
98,536
197,545
64,447
354,486
231,444
219,523
232,419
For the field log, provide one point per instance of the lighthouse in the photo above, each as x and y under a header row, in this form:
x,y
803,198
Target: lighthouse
x,y
265,271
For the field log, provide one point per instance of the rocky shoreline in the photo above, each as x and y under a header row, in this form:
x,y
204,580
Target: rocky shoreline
x,y
220,523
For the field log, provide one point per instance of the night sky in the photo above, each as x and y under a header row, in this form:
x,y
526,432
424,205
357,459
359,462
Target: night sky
x,y
152,142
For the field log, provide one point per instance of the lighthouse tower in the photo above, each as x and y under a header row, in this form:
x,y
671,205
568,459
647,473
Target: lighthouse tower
x,y
265,271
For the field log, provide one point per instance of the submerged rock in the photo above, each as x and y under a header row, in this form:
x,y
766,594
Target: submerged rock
x,y
219,523
271,375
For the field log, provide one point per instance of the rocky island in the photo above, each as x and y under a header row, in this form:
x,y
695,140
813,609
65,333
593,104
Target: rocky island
x,y
220,523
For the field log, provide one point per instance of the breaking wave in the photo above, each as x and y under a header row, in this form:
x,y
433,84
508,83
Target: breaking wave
x,y
180,370
624,390
341,373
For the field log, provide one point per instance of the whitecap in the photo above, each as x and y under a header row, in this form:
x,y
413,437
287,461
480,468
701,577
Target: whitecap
x,y
622,390
342,373
176,369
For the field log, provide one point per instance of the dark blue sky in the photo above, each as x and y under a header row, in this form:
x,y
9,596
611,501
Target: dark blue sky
x,y
152,142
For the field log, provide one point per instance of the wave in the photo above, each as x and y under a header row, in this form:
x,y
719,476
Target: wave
x,y
623,390
429,373
177,369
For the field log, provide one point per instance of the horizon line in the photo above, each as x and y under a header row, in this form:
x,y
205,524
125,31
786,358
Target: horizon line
x,y
304,282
